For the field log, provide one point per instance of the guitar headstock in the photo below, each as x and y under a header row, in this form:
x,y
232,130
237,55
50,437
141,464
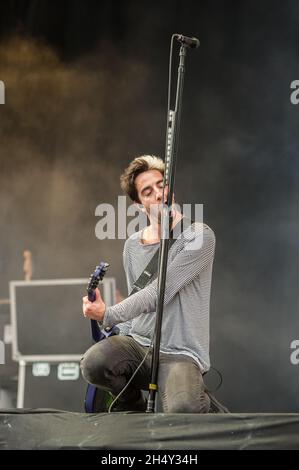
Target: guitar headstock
x,y
95,279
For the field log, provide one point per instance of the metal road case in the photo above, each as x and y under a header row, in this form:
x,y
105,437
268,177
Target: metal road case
x,y
51,384
49,337
8,367
47,320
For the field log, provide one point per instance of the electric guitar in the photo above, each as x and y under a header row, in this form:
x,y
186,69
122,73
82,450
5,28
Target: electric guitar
x,y
97,400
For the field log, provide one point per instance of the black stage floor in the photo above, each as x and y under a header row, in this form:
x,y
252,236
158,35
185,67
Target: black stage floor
x,y
55,429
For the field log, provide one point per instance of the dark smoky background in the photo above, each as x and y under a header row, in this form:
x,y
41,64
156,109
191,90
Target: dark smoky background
x,y
86,90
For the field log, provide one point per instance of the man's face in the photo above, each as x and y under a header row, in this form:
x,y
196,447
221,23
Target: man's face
x,y
149,186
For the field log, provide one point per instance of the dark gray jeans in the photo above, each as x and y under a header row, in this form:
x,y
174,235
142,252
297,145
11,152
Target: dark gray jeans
x,y
110,363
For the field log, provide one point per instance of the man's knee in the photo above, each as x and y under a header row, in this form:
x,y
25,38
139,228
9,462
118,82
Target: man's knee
x,y
184,403
182,387
101,361
92,366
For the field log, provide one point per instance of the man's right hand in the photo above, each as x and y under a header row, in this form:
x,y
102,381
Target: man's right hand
x,y
94,310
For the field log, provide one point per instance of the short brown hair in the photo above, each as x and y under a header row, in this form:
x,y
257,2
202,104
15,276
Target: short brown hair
x,y
137,166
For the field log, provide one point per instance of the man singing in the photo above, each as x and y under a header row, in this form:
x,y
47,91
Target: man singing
x,y
184,349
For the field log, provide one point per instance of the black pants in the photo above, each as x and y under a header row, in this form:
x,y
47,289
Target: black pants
x,y
110,363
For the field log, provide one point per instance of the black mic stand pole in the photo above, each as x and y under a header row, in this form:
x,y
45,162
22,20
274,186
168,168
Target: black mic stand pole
x,y
172,141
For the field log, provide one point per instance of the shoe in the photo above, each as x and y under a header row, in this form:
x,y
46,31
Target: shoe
x,y
134,405
216,406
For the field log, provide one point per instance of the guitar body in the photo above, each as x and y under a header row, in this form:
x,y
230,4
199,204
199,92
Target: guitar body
x,y
97,400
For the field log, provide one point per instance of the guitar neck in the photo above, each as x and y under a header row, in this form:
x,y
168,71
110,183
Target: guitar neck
x,y
91,295
96,332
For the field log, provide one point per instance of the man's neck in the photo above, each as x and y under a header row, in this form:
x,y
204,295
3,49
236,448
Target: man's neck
x,y
152,233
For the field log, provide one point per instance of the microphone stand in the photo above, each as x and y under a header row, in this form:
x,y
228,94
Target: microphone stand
x,y
172,143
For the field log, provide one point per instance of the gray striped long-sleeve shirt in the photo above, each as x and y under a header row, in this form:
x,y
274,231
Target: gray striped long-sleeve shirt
x,y
185,327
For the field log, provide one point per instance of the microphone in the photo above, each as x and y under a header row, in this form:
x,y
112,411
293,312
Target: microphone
x,y
189,42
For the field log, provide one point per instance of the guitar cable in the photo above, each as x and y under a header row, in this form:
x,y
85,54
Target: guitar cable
x,y
130,380
220,379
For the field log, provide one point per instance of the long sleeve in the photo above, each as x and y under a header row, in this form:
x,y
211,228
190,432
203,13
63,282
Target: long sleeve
x,y
182,270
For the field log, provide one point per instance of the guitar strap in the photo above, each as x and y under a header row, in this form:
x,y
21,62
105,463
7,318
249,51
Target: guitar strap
x,y
151,269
